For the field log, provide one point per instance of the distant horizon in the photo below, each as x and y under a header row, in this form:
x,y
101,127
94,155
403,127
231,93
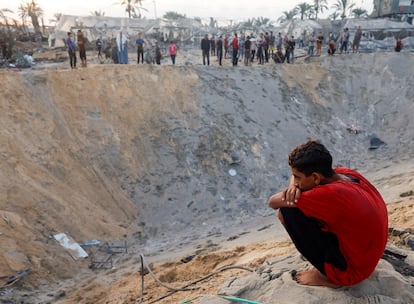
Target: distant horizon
x,y
217,9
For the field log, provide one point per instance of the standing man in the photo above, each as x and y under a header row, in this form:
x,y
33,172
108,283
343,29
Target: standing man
x,y
319,43
272,40
172,49
266,47
82,48
247,51
71,50
219,45
279,43
335,217
235,46
140,43
98,45
158,53
205,48
226,46
311,44
345,39
290,50
259,43
213,45
357,39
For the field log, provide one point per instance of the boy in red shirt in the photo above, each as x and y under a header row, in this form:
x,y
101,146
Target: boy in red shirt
x,y
235,46
337,220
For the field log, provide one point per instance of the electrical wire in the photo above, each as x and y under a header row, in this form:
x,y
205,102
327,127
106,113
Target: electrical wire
x,y
184,288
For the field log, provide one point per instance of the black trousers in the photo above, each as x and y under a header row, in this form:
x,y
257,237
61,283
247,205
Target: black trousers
x,y
235,56
220,55
140,54
72,59
317,246
206,55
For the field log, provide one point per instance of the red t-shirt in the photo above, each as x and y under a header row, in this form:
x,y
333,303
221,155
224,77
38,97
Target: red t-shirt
x,y
235,43
356,213
172,49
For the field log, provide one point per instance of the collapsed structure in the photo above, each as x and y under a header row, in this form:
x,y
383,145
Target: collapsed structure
x,y
378,34
95,27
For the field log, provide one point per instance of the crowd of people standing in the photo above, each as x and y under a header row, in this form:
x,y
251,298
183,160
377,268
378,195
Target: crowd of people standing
x,y
246,49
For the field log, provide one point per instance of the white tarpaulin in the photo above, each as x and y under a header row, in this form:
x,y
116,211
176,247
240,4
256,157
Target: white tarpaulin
x,y
75,250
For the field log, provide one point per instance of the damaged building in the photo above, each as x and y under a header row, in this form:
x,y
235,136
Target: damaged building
x,y
107,28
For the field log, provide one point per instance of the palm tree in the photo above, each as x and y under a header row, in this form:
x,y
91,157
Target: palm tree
x,y
4,17
98,13
334,15
3,12
288,15
133,8
261,21
359,12
304,9
249,23
56,18
319,6
23,15
342,6
8,35
32,10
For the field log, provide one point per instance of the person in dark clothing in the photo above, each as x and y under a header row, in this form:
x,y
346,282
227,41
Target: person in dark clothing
x,y
71,50
98,45
213,46
219,47
331,48
205,47
158,54
4,52
235,46
140,43
247,51
114,53
290,50
398,45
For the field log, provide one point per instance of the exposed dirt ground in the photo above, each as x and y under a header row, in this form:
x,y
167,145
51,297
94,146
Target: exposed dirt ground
x,y
142,154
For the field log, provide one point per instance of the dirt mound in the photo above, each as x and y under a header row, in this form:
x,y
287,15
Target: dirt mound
x,y
163,156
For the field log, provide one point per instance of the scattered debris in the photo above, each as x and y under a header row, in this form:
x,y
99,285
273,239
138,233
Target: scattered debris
x,y
103,257
6,219
406,236
188,259
75,250
90,243
265,227
232,172
410,242
7,291
397,259
352,129
235,159
15,278
375,143
406,194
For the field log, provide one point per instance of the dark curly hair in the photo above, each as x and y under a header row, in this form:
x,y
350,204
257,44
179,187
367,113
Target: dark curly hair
x,y
311,157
